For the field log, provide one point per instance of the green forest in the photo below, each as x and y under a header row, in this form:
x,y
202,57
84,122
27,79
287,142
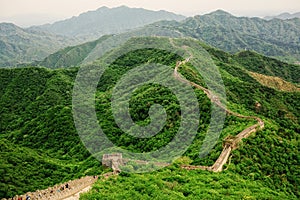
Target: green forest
x,y
40,146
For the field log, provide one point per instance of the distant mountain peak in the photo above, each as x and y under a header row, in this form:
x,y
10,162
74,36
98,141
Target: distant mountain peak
x,y
7,28
7,24
103,8
285,13
104,21
220,12
284,16
123,6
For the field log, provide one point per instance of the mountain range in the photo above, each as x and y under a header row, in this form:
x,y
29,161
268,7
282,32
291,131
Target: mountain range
x,y
284,16
18,45
104,21
275,38
219,29
35,43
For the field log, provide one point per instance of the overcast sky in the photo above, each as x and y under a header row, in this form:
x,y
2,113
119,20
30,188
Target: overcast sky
x,y
34,12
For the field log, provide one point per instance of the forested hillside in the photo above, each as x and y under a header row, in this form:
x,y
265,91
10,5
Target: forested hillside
x,y
275,38
40,145
284,16
70,56
18,45
261,161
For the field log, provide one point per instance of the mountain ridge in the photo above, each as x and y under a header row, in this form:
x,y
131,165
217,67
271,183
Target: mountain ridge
x,y
275,38
20,45
284,16
75,55
106,20
25,45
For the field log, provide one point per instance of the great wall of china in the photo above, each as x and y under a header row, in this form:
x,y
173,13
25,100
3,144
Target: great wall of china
x,y
59,191
115,160
230,144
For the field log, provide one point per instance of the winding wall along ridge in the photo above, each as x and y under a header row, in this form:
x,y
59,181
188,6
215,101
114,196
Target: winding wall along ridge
x,y
229,144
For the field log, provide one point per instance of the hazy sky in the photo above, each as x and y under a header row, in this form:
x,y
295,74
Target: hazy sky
x,y
30,12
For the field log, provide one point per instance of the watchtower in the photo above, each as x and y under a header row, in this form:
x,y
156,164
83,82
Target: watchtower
x,y
113,161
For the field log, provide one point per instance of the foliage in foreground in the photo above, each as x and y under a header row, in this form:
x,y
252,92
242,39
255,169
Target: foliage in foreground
x,y
176,183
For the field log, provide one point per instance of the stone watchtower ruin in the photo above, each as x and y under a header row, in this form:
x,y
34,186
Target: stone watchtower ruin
x,y
113,161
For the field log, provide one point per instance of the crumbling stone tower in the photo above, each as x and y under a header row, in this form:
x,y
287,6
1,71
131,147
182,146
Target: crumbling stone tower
x,y
113,161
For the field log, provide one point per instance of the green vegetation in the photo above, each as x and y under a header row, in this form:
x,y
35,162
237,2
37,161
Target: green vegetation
x,y
39,143
174,183
273,169
39,138
70,56
268,66
26,169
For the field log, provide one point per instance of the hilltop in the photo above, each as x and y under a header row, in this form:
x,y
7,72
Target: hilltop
x,y
71,56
